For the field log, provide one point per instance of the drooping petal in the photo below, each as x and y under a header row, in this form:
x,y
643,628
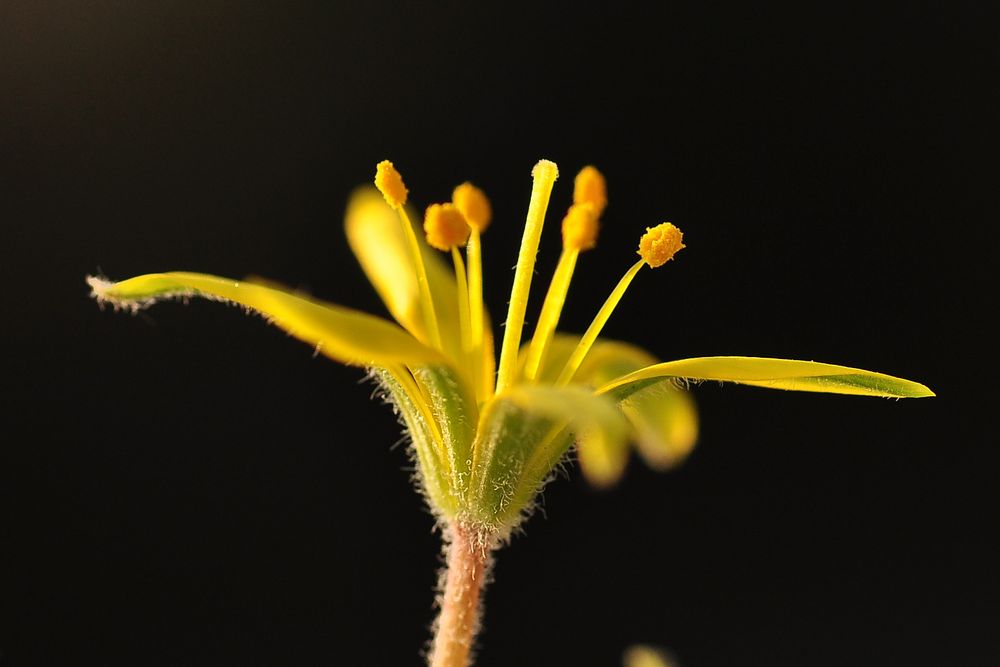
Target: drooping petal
x,y
524,433
607,360
663,417
601,434
665,420
375,234
786,374
602,460
345,335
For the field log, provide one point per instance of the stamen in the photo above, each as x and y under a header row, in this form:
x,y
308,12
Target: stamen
x,y
594,330
463,305
475,206
657,246
474,253
544,176
579,231
390,184
589,187
477,344
445,226
555,298
579,227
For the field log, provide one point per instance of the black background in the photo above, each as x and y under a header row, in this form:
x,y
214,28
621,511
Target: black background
x,y
192,487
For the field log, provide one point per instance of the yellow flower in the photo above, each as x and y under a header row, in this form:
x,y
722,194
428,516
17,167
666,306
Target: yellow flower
x,y
487,442
488,431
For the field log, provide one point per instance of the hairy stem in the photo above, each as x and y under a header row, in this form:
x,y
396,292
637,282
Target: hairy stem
x,y
469,560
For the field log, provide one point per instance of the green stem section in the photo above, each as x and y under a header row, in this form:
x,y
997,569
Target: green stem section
x,y
469,561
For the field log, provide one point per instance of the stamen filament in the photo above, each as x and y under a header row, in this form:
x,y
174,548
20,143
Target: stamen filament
x,y
474,253
426,299
551,310
594,330
463,300
544,176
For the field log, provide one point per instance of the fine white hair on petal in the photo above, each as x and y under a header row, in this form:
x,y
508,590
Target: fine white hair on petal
x,y
101,288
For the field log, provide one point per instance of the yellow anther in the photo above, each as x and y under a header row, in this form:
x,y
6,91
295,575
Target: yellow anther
x,y
589,187
445,226
390,183
473,204
579,227
659,244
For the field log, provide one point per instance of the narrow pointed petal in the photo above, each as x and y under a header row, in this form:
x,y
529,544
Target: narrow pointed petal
x,y
376,236
345,335
786,374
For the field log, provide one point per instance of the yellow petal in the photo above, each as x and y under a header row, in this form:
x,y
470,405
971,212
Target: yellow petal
x,y
775,374
647,656
602,460
607,360
522,436
663,417
375,234
600,431
666,424
343,334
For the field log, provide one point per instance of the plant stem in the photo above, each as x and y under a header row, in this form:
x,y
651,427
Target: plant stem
x,y
469,560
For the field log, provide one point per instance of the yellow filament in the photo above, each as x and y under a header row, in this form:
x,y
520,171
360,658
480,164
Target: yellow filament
x,y
475,206
463,300
426,299
474,251
544,177
551,310
487,366
594,330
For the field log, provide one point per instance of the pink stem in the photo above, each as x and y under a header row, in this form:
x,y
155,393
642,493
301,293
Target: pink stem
x,y
468,565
